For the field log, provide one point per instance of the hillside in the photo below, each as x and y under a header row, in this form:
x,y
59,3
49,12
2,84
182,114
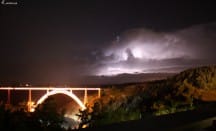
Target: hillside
x,y
185,91
198,83
202,77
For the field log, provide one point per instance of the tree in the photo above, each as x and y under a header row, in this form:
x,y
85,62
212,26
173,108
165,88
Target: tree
x,y
84,117
48,116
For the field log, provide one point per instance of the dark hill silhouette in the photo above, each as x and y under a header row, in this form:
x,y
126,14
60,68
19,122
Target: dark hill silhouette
x,y
201,77
198,83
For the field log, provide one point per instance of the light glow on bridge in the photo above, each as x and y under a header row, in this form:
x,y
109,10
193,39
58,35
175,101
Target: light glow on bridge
x,y
70,94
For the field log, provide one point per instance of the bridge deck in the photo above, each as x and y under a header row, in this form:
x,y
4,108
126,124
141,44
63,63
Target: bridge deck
x,y
46,88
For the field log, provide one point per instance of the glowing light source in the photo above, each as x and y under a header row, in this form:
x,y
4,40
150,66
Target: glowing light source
x,y
109,71
137,52
31,105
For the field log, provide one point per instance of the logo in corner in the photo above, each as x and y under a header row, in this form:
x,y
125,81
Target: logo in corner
x,y
8,2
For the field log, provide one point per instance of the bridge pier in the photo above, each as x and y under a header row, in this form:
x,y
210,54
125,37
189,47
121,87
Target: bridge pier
x,y
8,97
85,97
8,103
99,93
29,101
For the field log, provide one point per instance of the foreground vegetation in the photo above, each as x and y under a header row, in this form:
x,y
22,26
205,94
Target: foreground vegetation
x,y
45,118
188,90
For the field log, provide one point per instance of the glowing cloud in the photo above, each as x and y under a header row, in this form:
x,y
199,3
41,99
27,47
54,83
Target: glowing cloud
x,y
144,50
137,52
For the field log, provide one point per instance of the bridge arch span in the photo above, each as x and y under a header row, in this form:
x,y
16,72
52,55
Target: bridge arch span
x,y
65,92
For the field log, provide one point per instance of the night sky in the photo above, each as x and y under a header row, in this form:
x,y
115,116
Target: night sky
x,y
45,41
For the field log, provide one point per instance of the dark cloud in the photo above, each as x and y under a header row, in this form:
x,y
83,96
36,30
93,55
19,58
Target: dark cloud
x,y
200,39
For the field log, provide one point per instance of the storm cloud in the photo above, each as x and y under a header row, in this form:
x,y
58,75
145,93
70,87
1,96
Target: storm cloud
x,y
143,50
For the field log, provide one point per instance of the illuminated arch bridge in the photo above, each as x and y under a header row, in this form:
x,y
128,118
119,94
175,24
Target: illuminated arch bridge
x,y
49,92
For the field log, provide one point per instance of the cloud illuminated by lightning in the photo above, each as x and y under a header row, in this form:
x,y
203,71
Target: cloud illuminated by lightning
x,y
143,50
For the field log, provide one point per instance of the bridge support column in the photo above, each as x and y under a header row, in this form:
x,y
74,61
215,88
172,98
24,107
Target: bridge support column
x,y
99,93
85,97
29,101
8,97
